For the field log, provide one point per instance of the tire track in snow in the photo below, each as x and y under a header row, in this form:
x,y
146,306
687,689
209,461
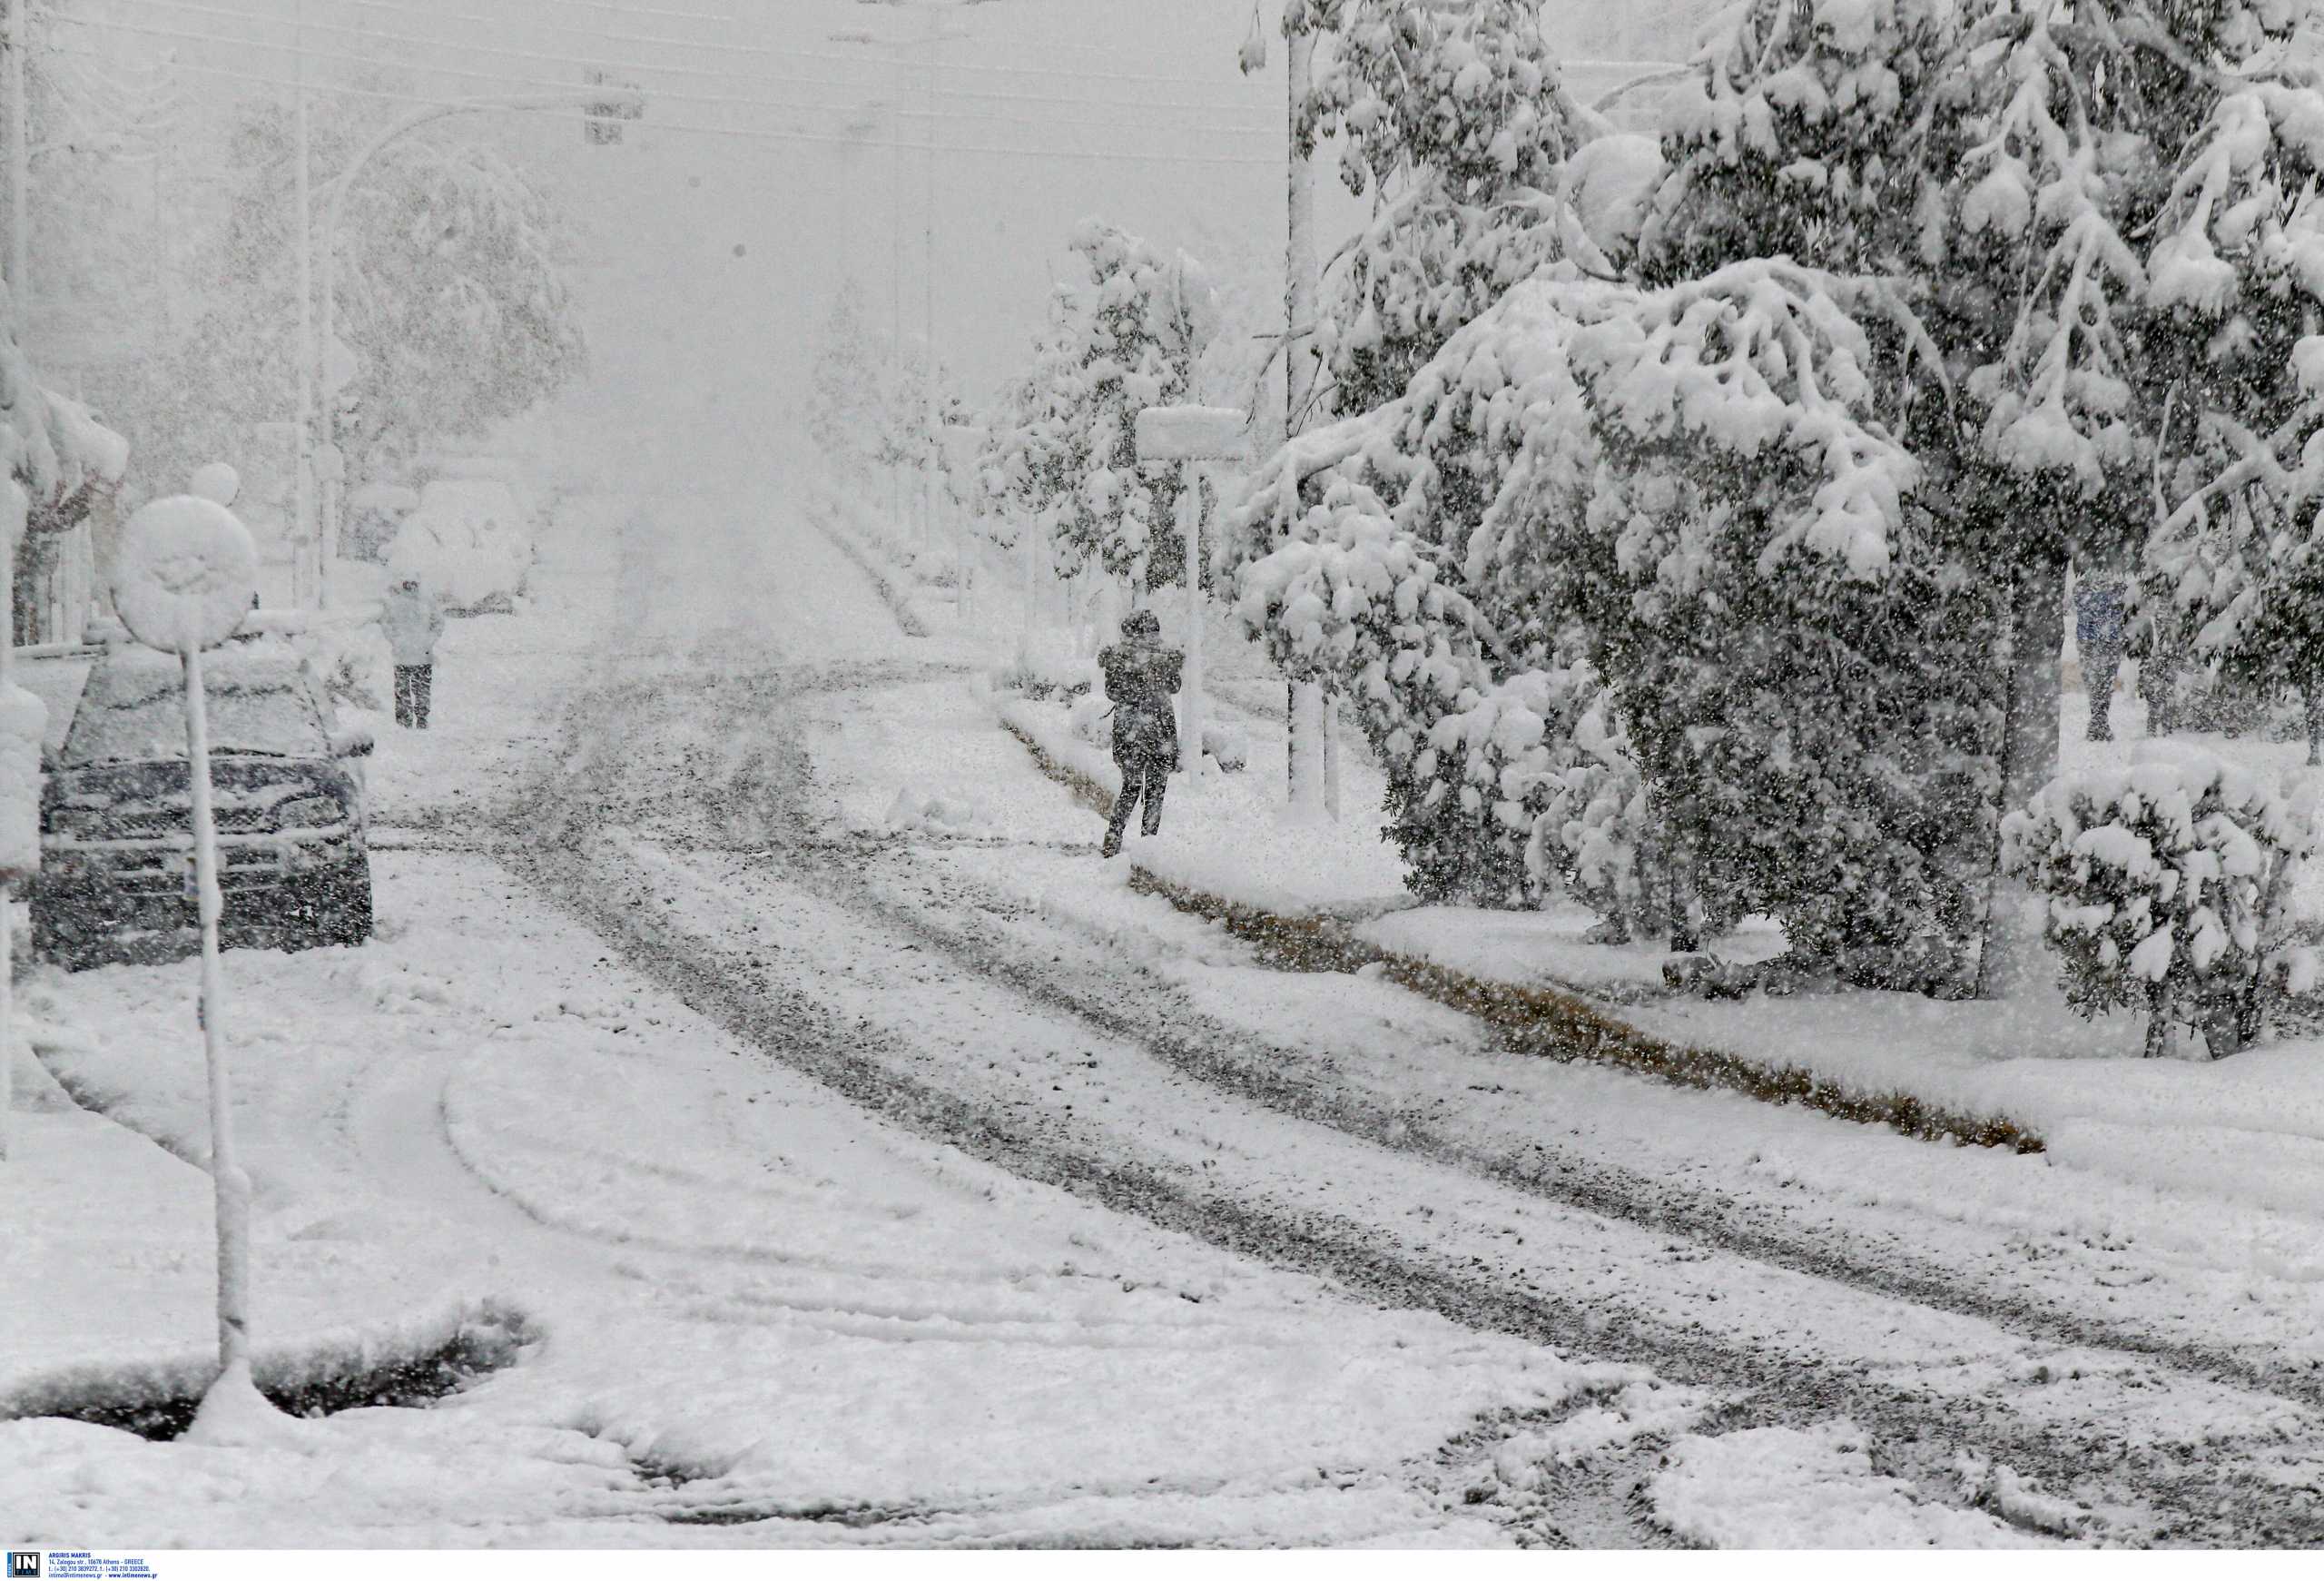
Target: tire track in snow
x,y
761,794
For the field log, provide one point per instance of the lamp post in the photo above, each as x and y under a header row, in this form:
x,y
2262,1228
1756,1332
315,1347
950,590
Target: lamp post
x,y
1310,770
600,96
929,41
1192,436
20,173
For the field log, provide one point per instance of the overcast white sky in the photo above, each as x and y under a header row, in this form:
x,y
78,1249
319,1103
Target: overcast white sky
x,y
1049,111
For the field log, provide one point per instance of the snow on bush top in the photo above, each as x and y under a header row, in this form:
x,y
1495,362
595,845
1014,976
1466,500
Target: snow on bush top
x,y
2162,878
1758,360
53,444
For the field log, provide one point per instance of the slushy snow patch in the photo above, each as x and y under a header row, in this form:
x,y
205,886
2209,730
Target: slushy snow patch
x,y
1790,1487
24,721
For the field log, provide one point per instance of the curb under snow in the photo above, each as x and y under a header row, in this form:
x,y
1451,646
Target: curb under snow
x,y
1558,1022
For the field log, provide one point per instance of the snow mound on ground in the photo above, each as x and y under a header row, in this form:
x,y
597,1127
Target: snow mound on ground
x,y
939,814
1787,1488
1092,720
235,1416
1229,746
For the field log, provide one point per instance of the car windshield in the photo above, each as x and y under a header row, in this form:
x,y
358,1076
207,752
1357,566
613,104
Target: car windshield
x,y
135,712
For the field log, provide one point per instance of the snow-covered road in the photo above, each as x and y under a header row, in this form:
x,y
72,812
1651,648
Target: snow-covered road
x,y
915,1186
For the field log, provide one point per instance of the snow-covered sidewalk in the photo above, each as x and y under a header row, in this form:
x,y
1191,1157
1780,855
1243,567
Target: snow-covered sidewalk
x,y
2250,1128
749,1312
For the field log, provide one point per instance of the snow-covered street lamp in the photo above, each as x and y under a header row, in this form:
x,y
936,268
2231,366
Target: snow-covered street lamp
x,y
929,40
184,576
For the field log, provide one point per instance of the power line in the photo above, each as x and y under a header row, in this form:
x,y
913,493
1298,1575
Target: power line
x,y
760,133
638,9
900,44
513,80
627,67
720,44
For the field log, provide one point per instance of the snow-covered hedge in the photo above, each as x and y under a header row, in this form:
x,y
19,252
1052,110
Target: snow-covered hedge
x,y
2169,887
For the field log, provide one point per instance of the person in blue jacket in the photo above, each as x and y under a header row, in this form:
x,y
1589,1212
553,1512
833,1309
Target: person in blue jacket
x,y
2098,632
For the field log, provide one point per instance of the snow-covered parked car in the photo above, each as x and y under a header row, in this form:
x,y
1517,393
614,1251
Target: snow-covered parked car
x,y
375,514
116,878
470,541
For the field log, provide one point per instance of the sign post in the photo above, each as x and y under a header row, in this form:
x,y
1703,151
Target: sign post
x,y
183,578
961,445
1192,436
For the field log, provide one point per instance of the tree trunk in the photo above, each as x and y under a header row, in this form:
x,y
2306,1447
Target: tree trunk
x,y
2314,694
1305,744
2012,958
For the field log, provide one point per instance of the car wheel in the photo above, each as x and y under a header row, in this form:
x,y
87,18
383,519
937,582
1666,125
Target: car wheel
x,y
337,911
346,916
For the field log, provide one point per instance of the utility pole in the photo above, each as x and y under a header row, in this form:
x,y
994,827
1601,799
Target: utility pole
x,y
303,464
20,174
22,720
896,283
927,300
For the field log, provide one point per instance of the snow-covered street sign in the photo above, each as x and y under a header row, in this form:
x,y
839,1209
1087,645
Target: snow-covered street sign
x,y
184,576
1192,435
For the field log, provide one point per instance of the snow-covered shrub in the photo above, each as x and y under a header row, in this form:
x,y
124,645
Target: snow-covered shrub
x,y
2168,886
353,661
1041,675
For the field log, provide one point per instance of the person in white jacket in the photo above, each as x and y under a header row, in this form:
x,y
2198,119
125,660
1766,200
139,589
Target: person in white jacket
x,y
414,622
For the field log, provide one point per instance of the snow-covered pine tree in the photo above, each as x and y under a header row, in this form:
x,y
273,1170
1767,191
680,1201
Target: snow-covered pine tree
x,y
2094,208
1130,339
1454,118
2236,571
1799,145
1653,467
843,417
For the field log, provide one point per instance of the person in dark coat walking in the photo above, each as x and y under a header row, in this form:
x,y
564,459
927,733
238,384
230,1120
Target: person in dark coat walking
x,y
1141,679
2098,632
